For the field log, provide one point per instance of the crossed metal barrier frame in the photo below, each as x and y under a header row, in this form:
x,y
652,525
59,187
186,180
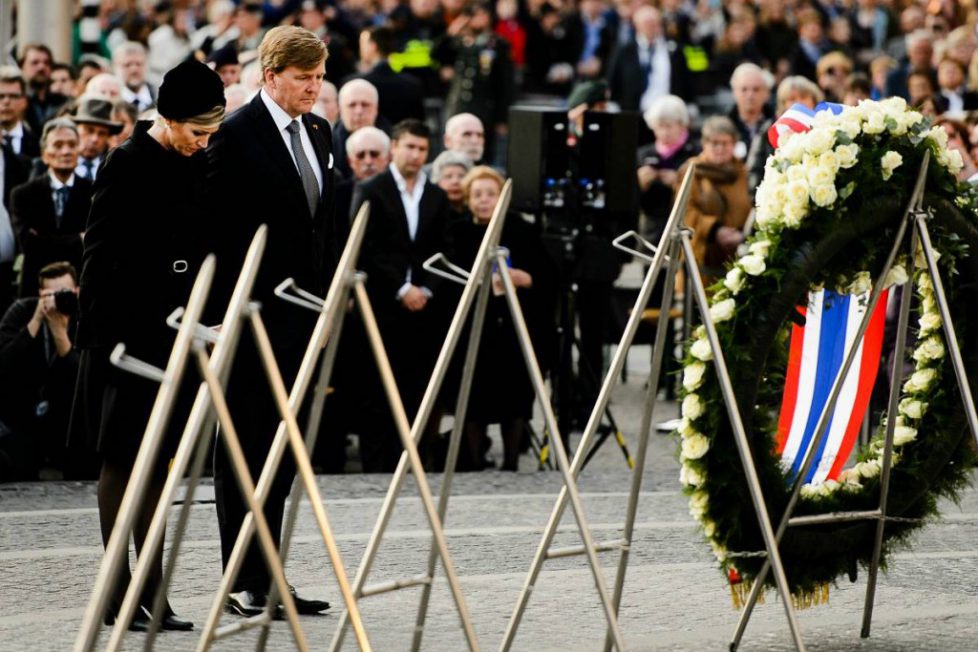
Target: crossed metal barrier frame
x,y
215,370
475,284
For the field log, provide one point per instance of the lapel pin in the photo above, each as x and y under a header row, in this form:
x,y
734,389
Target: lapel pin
x,y
315,126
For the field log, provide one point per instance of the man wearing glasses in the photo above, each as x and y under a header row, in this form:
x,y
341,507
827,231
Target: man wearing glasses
x,y
13,105
368,151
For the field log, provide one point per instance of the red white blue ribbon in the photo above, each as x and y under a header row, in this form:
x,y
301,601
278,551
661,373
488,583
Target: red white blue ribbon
x,y
817,353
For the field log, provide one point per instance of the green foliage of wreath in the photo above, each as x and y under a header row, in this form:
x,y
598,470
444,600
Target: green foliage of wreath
x,y
833,237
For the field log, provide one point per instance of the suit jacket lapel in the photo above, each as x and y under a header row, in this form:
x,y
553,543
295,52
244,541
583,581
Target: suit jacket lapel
x,y
395,193
267,133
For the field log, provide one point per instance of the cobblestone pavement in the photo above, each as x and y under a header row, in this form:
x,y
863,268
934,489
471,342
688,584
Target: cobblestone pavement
x,y
675,599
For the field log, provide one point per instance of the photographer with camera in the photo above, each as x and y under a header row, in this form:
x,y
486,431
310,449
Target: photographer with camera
x,y
38,366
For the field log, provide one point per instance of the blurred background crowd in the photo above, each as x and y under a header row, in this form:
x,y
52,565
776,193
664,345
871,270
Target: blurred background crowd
x,y
705,78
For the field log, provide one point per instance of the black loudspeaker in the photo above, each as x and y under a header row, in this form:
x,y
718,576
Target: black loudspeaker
x,y
603,170
607,161
538,158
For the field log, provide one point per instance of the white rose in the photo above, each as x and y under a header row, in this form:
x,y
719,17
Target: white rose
x,y
760,247
928,303
719,551
695,447
929,323
698,503
795,173
894,105
830,161
869,469
920,260
794,214
753,264
896,276
924,284
690,476
797,191
791,148
709,528
847,154
875,123
809,491
912,408
734,280
920,381
903,435
701,350
824,196
692,407
818,140
722,310
819,175
939,136
954,161
767,216
930,349
861,283
890,161
693,376
686,428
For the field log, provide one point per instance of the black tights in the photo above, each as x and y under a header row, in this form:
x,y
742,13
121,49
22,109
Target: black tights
x,y
111,487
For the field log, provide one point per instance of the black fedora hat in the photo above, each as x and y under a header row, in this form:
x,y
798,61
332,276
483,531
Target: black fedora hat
x,y
96,111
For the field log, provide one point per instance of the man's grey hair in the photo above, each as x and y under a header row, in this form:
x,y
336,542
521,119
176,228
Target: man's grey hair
x,y
367,132
53,125
452,122
127,47
668,108
447,159
358,84
920,35
748,68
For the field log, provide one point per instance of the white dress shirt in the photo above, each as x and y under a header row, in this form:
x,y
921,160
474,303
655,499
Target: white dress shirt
x,y
411,200
16,137
142,99
660,76
283,120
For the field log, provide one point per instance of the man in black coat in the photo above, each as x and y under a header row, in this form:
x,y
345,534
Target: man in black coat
x,y
649,67
49,212
408,217
401,95
272,163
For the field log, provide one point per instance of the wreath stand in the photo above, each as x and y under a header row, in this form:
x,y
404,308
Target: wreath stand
x,y
215,370
675,241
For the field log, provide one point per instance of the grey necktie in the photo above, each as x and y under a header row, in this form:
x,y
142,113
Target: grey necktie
x,y
309,183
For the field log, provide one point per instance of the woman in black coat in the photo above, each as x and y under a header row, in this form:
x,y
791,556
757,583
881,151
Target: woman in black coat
x,y
501,389
139,263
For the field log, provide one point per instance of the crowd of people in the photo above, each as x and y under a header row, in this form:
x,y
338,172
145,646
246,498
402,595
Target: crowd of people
x,y
414,106
177,128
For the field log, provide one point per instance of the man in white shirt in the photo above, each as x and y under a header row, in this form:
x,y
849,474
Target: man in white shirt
x,y
649,67
408,218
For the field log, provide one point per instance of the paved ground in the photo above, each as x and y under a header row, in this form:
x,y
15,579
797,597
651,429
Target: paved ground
x,y
675,598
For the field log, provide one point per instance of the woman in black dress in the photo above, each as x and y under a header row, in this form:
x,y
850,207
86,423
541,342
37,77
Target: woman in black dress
x,y
501,390
142,251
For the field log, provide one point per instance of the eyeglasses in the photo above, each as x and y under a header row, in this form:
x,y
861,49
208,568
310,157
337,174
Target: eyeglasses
x,y
10,96
372,153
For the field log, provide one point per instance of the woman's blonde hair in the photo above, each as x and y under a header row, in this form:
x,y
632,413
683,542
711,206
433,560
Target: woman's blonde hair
x,y
212,118
476,173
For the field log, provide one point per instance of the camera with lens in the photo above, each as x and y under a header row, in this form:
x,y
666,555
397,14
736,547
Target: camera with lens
x,y
66,302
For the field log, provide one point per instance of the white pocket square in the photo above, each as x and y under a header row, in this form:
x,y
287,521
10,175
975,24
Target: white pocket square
x,y
330,165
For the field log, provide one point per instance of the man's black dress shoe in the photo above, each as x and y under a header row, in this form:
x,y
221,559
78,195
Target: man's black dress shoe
x,y
252,603
140,620
172,623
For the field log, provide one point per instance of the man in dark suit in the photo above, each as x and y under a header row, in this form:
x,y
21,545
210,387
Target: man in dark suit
x,y
271,164
358,100
401,95
368,150
920,54
49,212
408,216
649,67
13,104
42,104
